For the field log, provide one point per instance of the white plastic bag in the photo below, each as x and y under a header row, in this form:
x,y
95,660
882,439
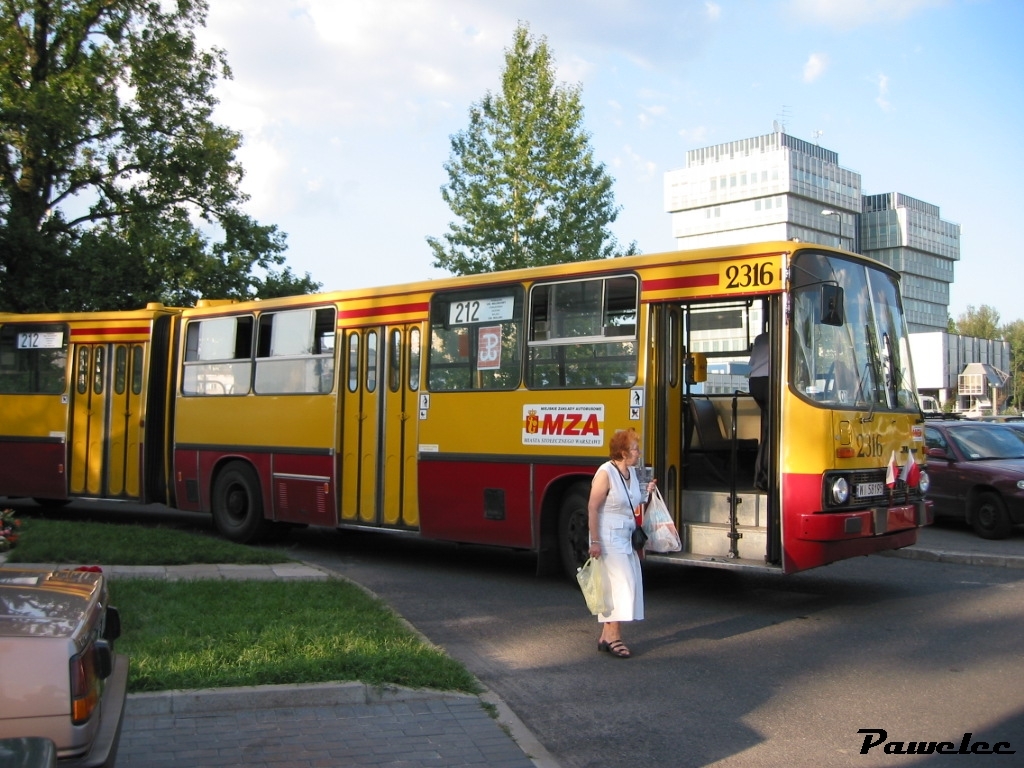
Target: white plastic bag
x,y
593,579
662,535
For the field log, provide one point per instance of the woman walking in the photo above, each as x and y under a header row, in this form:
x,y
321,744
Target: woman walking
x,y
614,494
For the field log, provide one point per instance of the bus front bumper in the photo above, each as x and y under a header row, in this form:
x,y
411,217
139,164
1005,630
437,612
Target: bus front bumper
x,y
876,521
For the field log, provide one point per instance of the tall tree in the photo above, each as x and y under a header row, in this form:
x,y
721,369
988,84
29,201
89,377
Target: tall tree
x,y
522,177
1014,334
982,323
116,188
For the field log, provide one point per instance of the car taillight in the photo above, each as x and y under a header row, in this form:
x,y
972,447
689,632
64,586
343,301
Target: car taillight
x,y
88,669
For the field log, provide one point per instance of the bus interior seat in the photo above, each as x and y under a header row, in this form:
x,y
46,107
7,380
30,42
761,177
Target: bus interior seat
x,y
710,429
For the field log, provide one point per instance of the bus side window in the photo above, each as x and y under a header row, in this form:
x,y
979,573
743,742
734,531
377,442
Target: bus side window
x,y
414,359
476,339
33,359
395,361
218,356
583,333
295,351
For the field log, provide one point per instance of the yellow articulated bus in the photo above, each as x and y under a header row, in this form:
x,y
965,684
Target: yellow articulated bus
x,y
476,409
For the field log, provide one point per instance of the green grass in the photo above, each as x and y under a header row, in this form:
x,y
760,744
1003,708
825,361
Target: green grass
x,y
215,633
82,542
210,634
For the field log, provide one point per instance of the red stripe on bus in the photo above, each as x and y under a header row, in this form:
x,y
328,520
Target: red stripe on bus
x,y
391,309
678,283
142,329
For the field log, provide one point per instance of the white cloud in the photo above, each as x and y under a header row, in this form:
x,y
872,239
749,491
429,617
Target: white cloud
x,y
696,136
644,167
713,11
844,14
882,99
814,67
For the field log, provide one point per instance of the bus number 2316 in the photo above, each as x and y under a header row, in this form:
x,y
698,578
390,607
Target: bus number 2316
x,y
749,275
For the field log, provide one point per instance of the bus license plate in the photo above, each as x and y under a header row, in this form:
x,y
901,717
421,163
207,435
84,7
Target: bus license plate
x,y
870,489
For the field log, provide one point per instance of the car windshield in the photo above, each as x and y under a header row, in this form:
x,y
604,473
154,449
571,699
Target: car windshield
x,y
978,442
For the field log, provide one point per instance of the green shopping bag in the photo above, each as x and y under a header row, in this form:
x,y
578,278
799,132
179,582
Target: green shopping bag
x,y
593,579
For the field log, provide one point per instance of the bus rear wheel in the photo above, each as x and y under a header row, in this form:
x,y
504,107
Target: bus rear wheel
x,y
574,529
238,504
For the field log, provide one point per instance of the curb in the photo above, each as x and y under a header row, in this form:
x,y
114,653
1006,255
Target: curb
x,y
959,558
210,700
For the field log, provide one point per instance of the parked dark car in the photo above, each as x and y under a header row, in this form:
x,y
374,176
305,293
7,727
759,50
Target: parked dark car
x,y
976,473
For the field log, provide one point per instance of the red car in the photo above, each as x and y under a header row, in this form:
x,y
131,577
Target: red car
x,y
976,473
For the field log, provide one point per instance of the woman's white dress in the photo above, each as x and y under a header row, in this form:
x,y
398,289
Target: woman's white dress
x,y
616,523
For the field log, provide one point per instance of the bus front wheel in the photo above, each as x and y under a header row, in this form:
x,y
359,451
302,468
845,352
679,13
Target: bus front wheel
x,y
238,504
573,529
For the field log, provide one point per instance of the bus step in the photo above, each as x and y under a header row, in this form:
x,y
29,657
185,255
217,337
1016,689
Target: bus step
x,y
708,561
712,540
701,507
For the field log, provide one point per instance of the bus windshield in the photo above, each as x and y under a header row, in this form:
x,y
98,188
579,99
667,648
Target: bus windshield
x,y
850,346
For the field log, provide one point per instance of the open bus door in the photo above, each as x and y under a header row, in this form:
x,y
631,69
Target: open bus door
x,y
705,438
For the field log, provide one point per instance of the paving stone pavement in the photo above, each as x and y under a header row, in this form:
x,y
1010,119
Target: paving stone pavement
x,y
325,725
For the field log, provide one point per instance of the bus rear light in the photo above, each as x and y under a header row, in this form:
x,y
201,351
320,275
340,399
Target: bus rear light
x,y
845,452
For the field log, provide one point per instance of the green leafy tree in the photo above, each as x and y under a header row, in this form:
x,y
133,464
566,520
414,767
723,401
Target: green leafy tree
x,y
981,323
1014,334
522,178
116,188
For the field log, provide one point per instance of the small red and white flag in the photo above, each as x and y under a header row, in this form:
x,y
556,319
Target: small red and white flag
x,y
891,471
911,475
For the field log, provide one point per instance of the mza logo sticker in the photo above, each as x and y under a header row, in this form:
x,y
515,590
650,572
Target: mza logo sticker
x,y
563,425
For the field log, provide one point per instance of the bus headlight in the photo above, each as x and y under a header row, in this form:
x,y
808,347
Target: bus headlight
x,y
924,482
840,490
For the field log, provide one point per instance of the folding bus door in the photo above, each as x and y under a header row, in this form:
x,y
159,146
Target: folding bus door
x,y
666,415
106,408
399,420
379,419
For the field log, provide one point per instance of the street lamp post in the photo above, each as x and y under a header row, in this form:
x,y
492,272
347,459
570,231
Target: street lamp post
x,y
839,218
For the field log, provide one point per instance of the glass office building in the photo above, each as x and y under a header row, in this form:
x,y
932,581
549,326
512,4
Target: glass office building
x,y
910,237
778,187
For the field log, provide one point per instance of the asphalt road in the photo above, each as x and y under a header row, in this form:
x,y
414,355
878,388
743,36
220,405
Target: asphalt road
x,y
729,669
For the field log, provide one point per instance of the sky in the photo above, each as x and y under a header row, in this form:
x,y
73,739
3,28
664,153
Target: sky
x,y
347,109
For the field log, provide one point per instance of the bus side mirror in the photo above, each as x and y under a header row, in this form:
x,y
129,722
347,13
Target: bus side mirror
x,y
696,368
832,312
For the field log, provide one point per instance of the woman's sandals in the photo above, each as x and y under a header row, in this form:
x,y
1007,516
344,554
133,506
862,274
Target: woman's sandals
x,y
616,648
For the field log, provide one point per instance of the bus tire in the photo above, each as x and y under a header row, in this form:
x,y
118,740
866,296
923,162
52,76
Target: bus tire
x,y
989,517
238,504
574,529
